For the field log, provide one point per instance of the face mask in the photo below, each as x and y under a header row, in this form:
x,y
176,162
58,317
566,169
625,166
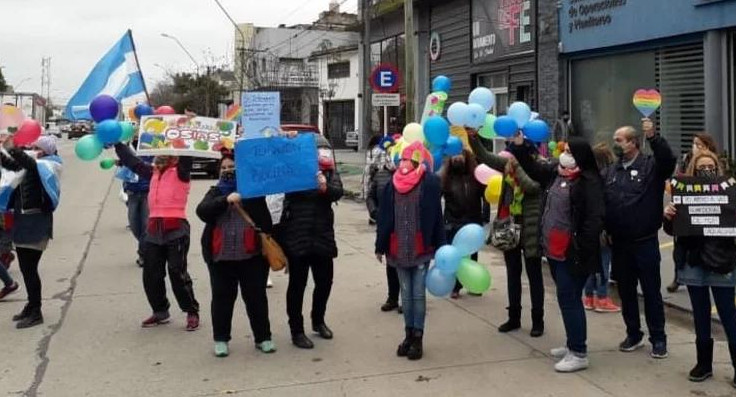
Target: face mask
x,y
567,161
405,167
618,150
709,174
227,176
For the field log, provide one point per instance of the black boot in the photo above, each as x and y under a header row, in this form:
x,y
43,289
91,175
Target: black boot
x,y
537,323
390,305
416,349
732,350
514,322
33,318
406,343
23,313
704,367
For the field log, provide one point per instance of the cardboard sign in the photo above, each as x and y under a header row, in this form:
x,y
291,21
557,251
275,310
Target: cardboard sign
x,y
704,207
261,114
178,135
276,165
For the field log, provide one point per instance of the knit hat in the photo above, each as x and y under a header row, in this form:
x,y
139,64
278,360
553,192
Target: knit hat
x,y
47,143
418,153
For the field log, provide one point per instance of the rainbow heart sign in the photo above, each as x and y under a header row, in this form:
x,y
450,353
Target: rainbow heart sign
x,y
647,101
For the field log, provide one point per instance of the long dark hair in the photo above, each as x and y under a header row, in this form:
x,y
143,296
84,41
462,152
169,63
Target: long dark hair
x,y
470,164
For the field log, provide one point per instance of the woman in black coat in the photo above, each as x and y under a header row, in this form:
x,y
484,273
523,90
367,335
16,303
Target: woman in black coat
x,y
571,224
232,251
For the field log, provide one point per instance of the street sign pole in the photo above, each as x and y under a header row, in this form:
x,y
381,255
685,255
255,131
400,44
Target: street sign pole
x,y
385,120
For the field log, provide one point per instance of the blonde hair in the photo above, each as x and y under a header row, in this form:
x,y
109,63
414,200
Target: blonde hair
x,y
704,153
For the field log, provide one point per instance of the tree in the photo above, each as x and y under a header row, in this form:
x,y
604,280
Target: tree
x,y
3,84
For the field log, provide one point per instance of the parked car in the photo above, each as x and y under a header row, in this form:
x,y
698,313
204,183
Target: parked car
x,y
352,140
80,129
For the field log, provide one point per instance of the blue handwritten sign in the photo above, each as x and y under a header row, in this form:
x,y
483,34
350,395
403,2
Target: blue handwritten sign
x,y
276,165
261,114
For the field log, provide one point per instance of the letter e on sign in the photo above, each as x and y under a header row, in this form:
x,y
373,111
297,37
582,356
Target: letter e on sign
x,y
385,78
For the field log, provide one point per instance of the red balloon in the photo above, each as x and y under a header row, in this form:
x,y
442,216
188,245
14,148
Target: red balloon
x,y
28,133
165,110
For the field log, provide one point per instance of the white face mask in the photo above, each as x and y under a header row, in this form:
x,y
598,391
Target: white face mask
x,y
567,161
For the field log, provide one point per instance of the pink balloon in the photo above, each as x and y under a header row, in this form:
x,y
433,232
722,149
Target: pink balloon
x,y
506,154
10,116
483,173
28,133
165,110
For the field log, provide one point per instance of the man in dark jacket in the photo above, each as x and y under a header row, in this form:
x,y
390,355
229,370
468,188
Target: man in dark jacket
x,y
634,203
137,192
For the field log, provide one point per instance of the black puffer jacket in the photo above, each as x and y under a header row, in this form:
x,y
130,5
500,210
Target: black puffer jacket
x,y
308,222
375,191
29,196
463,201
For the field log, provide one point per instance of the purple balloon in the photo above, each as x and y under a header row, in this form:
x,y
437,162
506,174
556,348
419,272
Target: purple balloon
x,y
104,107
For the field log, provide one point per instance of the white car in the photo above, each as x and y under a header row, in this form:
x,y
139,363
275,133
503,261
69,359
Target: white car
x,y
352,140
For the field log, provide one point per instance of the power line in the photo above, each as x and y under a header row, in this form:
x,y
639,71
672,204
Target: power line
x,y
303,31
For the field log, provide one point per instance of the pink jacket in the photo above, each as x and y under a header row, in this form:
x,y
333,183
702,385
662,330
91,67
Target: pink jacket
x,y
168,195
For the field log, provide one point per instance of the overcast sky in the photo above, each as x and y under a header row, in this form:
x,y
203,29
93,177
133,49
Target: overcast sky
x,y
77,33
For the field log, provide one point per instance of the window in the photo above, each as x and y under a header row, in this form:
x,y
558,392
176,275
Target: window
x,y
338,70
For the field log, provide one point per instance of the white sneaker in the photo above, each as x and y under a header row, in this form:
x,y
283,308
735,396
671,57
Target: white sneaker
x,y
269,283
558,353
571,363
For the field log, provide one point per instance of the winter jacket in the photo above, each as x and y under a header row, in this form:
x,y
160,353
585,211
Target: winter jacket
x,y
307,224
531,204
634,196
375,192
463,201
30,196
214,204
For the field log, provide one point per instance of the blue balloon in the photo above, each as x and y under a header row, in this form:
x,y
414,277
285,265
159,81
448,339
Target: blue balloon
x,y
447,260
104,107
438,284
437,158
483,97
505,126
142,110
109,131
476,116
457,113
442,84
521,113
537,131
436,130
469,239
454,146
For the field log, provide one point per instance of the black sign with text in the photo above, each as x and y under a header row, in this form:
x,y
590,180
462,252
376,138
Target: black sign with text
x,y
704,207
502,28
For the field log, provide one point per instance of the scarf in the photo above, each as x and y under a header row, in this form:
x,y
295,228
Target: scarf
x,y
569,173
404,183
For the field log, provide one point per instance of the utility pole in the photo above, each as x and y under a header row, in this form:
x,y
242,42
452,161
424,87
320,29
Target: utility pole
x,y
409,73
45,84
367,105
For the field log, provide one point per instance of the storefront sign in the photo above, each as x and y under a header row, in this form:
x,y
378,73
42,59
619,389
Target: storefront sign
x,y
704,207
385,78
501,28
586,14
435,46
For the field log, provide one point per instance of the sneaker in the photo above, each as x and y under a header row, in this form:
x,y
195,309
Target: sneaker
x,y
571,363
192,321
588,302
269,283
455,295
659,350
559,353
629,345
23,313
221,349
155,320
266,346
8,290
606,305
34,318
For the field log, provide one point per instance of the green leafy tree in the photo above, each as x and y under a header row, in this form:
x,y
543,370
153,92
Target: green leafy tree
x,y
198,93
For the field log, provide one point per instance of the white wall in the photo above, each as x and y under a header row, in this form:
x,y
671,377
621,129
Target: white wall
x,y
345,88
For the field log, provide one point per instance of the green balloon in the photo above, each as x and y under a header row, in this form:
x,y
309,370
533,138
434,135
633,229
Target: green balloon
x,y
487,130
106,164
473,276
552,145
88,147
128,131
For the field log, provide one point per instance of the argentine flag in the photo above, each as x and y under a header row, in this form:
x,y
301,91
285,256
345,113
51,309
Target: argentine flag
x,y
116,74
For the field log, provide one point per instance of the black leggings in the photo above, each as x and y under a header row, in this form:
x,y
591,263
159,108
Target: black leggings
x,y
28,260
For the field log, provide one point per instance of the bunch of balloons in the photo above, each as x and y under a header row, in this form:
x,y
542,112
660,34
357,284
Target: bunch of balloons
x,y
556,148
520,117
492,179
474,114
453,261
25,131
108,131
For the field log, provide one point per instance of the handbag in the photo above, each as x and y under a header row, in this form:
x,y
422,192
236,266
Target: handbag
x,y
272,251
505,234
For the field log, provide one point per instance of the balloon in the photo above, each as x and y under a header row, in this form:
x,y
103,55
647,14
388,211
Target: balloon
x,y
552,146
469,239
142,110
561,146
436,130
437,158
473,276
487,130
476,116
88,147
164,110
447,260
506,154
104,107
128,131
131,114
537,131
457,113
28,132
505,126
413,133
10,117
493,190
109,131
106,164
454,146
438,284
442,84
521,113
483,173
483,97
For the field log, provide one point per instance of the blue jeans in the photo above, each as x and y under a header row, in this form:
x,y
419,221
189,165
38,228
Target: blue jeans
x,y
138,217
5,276
569,297
598,283
724,300
413,298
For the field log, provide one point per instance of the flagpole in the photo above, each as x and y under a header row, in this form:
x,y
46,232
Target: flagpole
x,y
138,64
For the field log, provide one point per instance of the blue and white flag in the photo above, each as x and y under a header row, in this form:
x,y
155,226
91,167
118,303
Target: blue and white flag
x,y
116,74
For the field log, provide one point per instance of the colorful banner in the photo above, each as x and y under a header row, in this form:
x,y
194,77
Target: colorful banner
x,y
276,165
179,135
261,114
704,207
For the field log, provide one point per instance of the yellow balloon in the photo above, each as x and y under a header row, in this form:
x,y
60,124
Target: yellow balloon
x,y
493,189
413,132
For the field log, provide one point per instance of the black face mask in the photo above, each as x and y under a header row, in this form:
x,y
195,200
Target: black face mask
x,y
708,174
228,176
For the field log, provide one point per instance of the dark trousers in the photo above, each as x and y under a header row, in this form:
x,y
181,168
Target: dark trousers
x,y
458,285
28,260
322,271
513,260
569,297
393,284
724,300
639,262
251,276
138,217
156,257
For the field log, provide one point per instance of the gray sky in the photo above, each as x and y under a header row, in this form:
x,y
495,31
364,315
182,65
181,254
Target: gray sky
x,y
77,33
